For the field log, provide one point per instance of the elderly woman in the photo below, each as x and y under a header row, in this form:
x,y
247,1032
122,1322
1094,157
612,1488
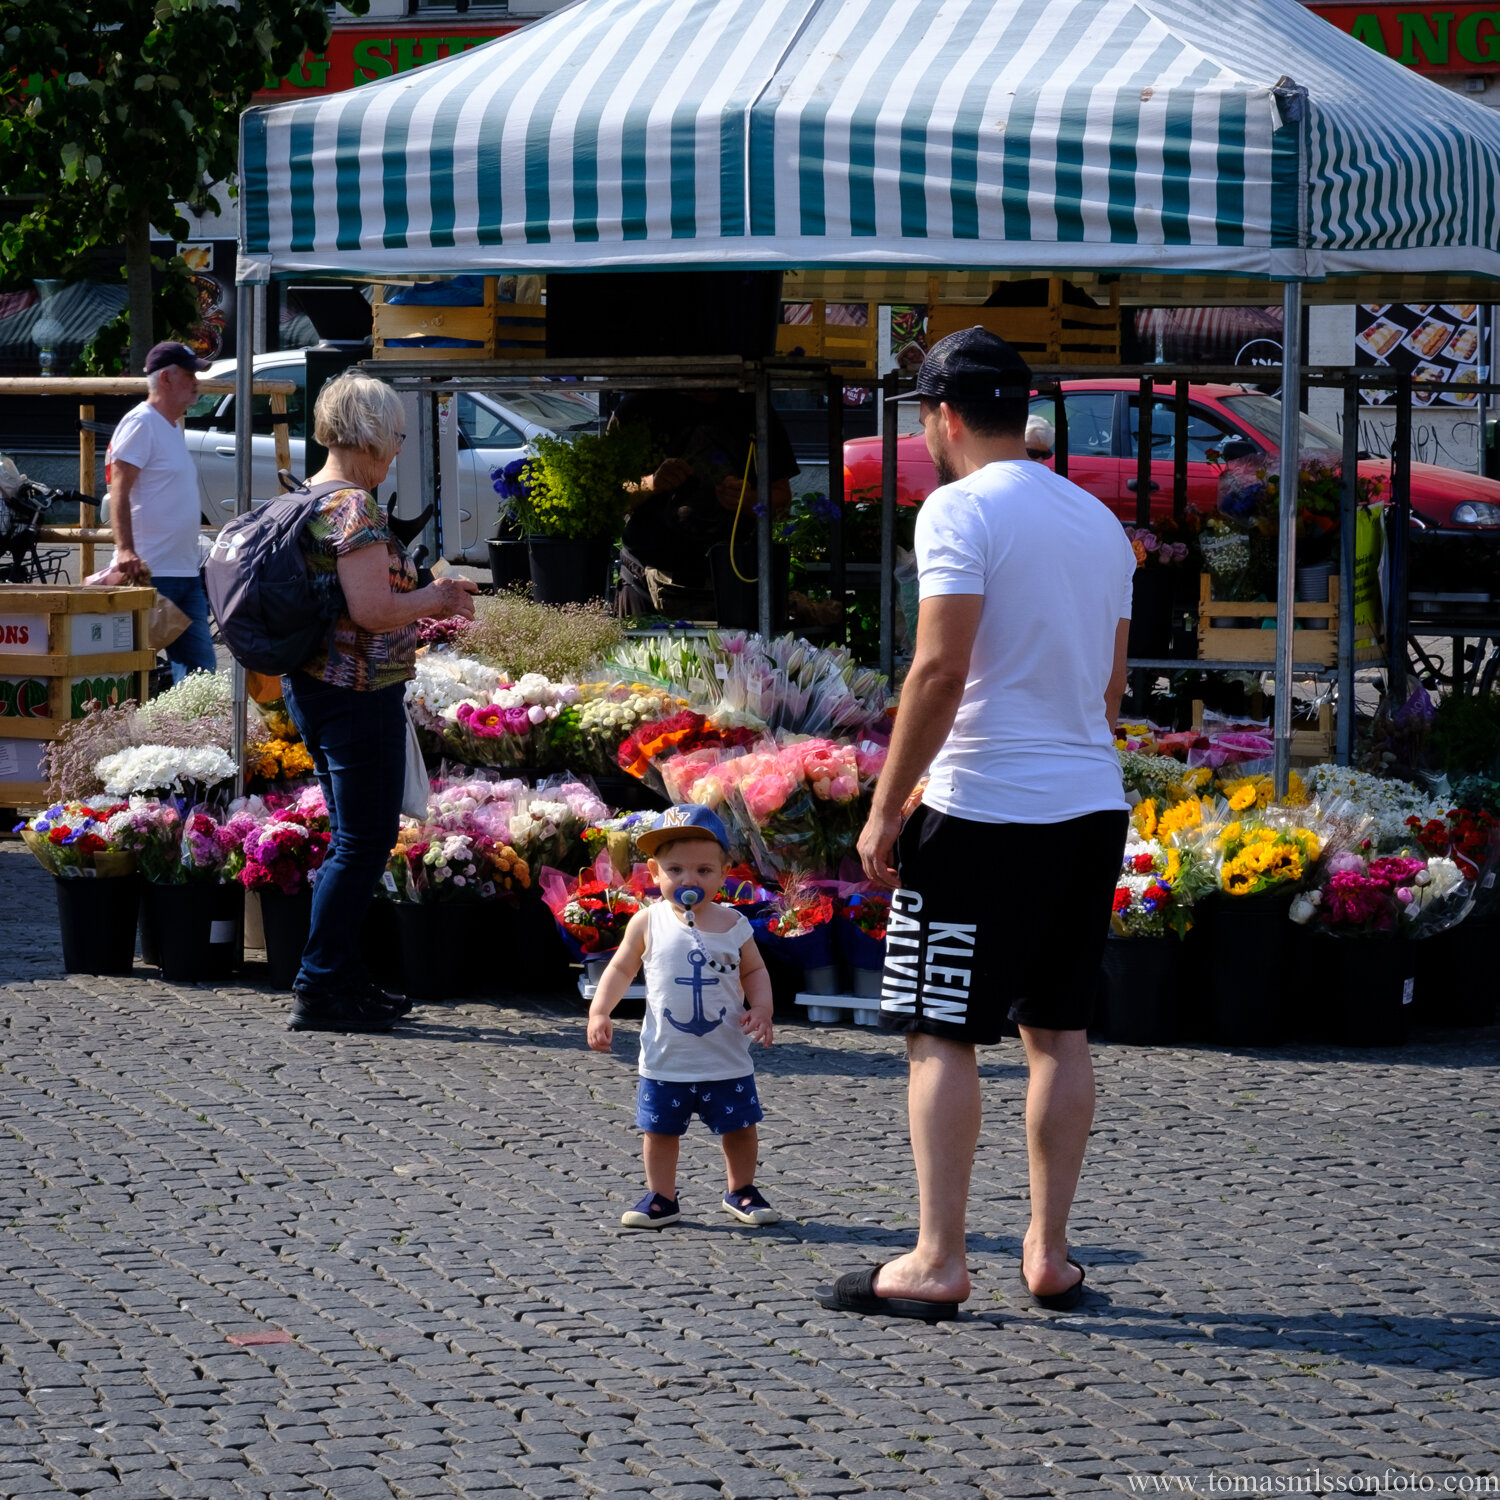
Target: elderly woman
x,y
348,698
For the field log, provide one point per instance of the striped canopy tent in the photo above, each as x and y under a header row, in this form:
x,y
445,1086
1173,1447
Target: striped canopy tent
x,y
1103,134
1121,136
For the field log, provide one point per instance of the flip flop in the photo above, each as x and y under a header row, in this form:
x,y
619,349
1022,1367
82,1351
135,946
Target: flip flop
x,y
1062,1301
854,1292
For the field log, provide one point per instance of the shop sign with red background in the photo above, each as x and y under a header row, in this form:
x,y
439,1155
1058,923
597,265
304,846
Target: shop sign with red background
x,y
1428,38
361,54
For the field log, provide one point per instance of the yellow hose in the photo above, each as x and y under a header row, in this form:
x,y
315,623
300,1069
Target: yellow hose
x,y
734,531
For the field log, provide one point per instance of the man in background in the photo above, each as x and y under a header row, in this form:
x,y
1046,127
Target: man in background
x,y
153,500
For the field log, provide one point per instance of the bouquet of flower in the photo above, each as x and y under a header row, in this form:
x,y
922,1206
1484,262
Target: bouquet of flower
x,y
1387,894
591,910
678,734
489,735
799,922
862,915
212,851
617,838
152,832
441,681
608,713
279,760
72,838
163,770
546,826
1470,837
284,851
1255,858
1158,886
428,864
1150,546
1392,804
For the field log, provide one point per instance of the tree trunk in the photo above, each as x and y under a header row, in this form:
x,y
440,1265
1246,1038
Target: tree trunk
x,y
138,285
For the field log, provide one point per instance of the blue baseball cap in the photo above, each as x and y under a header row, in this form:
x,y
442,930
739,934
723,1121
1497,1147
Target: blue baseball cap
x,y
686,820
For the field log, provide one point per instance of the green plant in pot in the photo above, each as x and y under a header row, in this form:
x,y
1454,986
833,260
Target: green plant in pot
x,y
569,500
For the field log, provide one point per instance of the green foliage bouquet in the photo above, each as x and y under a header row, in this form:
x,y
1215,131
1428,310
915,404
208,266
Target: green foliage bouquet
x,y
574,488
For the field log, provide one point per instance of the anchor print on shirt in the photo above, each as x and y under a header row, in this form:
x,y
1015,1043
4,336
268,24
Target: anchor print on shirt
x,y
700,1025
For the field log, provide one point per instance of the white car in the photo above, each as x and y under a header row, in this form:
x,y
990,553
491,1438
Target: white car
x,y
491,432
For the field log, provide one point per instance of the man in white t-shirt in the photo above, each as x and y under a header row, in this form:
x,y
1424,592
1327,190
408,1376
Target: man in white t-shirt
x,y
154,502
1005,875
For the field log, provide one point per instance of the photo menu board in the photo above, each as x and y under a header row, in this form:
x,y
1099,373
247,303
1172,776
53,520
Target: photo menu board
x,y
1431,340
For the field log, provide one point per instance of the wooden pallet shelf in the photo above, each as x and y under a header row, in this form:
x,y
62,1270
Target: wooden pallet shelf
x,y
1248,638
497,329
59,648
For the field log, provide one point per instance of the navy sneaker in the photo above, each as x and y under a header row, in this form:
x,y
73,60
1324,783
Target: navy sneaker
x,y
749,1207
652,1212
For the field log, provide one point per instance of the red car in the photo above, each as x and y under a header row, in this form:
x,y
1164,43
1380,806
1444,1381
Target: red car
x,y
1102,431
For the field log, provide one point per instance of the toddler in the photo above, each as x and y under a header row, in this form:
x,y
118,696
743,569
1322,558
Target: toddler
x,y
707,995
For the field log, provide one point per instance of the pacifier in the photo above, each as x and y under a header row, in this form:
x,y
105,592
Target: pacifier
x,y
689,896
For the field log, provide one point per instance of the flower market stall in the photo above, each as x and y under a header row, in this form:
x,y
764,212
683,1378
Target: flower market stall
x,y
1336,910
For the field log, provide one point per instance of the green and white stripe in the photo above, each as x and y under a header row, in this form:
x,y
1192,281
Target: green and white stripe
x,y
1118,134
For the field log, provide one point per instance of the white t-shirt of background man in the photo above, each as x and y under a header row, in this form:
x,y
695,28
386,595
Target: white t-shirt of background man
x,y
165,513
1031,742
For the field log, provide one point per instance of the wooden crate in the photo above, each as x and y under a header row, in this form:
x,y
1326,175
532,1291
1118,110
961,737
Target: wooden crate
x,y
850,350
503,330
1247,640
1057,334
59,647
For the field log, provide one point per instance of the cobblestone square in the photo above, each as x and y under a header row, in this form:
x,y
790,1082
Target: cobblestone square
x,y
1294,1256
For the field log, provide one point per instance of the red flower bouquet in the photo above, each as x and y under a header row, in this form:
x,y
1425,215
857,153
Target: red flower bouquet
x,y
592,911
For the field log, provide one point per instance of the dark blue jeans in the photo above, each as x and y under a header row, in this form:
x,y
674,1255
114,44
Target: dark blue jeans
x,y
357,741
193,650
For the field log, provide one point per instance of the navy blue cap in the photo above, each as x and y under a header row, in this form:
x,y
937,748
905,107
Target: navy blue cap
x,y
686,820
971,365
169,353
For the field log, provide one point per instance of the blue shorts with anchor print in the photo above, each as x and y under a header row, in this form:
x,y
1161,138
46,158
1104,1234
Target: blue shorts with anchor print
x,y
664,1108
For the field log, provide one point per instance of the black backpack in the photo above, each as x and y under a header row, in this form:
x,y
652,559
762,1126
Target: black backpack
x,y
260,591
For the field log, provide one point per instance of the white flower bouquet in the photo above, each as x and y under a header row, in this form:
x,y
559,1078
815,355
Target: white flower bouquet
x,y
145,770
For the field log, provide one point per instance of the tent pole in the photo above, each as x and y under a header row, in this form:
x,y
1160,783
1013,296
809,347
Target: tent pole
x,y
1291,415
838,589
1348,542
767,592
887,390
244,375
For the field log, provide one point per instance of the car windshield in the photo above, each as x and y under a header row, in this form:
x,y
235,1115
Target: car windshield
x,y
1262,414
558,411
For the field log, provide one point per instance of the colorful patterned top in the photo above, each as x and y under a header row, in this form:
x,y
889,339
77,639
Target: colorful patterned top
x,y
345,521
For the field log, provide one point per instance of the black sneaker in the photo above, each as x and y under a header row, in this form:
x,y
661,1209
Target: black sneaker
x,y
351,1013
652,1212
389,999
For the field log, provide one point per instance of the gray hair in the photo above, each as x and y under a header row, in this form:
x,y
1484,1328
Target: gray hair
x,y
153,382
1040,433
357,411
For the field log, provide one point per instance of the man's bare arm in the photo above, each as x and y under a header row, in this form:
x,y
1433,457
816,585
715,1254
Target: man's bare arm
x,y
1119,677
122,478
946,627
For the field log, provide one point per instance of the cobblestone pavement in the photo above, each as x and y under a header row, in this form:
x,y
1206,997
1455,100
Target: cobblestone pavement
x,y
1295,1256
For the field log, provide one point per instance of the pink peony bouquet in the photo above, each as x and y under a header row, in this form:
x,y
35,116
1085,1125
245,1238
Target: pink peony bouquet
x,y
1398,894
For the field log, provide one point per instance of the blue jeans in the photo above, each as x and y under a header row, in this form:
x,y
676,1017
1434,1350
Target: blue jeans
x,y
357,741
193,650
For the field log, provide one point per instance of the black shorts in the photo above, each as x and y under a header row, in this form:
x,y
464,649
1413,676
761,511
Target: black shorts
x,y
997,920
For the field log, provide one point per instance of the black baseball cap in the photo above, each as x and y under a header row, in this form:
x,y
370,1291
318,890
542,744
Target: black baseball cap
x,y
971,365
162,355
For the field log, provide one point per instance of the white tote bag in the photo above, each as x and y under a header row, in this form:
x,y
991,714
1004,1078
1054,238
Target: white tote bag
x,y
414,795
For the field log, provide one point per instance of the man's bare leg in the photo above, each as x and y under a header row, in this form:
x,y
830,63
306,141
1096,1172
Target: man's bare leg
x,y
1059,1115
943,1110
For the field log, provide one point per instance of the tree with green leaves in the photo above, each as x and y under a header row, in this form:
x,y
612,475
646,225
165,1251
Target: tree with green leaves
x,y
114,112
